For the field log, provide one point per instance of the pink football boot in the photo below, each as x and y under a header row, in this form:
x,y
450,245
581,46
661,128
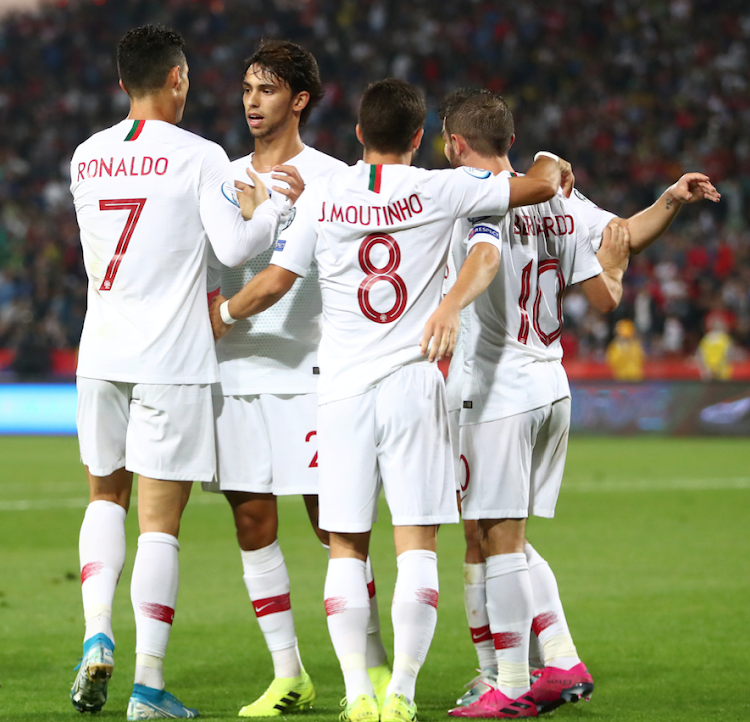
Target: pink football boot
x,y
496,705
555,686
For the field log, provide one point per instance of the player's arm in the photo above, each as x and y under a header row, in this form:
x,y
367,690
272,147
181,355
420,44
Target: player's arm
x,y
540,182
650,223
475,275
604,291
260,293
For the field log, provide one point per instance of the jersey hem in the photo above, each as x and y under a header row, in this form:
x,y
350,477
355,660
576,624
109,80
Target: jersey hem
x,y
497,415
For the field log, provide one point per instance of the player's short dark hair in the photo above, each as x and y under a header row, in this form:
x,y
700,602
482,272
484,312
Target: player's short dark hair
x,y
390,113
483,118
292,65
145,56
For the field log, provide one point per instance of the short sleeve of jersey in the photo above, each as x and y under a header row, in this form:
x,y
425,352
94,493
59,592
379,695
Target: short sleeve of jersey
x,y
595,218
295,246
473,192
484,230
586,263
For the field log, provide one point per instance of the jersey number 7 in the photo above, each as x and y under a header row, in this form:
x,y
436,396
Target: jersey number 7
x,y
135,206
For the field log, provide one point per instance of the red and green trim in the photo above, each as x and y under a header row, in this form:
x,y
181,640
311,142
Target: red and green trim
x,y
136,130
514,175
376,173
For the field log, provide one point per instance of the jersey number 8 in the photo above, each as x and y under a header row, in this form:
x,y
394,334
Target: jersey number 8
x,y
386,273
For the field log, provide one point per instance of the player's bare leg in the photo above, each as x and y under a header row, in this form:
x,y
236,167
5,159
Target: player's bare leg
x,y
101,548
267,582
378,668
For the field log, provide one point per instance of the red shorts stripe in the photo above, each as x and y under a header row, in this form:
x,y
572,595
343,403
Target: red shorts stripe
x,y
542,621
335,605
272,605
91,569
507,640
425,595
371,588
481,634
159,612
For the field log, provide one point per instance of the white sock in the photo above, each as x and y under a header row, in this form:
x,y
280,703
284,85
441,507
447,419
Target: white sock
x,y
101,548
376,654
536,651
348,611
149,671
549,623
475,603
267,582
414,615
153,592
510,605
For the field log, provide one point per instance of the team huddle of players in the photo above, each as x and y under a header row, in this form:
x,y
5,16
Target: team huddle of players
x,y
329,310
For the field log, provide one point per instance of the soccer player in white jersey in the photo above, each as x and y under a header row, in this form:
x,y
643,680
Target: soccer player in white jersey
x,y
266,407
148,196
379,233
516,391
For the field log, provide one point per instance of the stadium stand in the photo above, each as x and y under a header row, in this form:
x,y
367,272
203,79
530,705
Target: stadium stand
x,y
633,93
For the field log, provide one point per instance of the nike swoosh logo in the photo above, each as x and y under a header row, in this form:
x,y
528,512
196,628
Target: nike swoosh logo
x,y
260,609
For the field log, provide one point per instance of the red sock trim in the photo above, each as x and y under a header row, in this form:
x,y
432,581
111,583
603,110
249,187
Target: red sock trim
x,y
90,570
272,605
425,595
335,605
371,588
480,634
159,612
507,640
542,621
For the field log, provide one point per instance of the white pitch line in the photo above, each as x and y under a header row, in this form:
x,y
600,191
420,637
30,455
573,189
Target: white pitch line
x,y
581,487
641,485
81,503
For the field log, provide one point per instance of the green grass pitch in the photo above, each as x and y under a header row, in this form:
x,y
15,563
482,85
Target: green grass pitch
x,y
650,546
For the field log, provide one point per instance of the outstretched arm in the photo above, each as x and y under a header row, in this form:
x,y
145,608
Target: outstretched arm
x,y
604,291
265,289
540,182
475,275
650,223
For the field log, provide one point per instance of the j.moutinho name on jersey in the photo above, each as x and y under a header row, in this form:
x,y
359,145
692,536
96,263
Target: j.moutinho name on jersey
x,y
101,167
400,210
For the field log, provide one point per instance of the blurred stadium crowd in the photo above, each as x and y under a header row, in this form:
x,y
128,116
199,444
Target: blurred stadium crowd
x,y
633,92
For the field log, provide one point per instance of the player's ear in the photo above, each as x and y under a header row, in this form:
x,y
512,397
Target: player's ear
x,y
512,140
301,101
173,78
123,87
416,141
358,133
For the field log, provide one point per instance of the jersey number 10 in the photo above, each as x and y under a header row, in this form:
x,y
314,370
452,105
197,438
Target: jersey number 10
x,y
551,264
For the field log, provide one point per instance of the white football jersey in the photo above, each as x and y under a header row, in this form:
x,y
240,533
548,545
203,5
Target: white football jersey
x,y
276,351
148,195
380,236
512,352
595,218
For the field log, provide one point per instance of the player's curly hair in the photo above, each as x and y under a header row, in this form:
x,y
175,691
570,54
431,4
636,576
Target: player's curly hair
x,y
145,56
483,119
390,113
292,65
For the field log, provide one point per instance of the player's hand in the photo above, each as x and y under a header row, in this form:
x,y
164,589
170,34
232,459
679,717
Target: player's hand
x,y
567,179
691,188
615,248
442,329
290,175
218,326
250,196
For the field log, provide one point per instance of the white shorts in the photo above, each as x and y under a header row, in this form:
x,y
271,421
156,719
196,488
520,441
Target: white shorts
x,y
453,419
266,444
513,467
155,430
395,435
